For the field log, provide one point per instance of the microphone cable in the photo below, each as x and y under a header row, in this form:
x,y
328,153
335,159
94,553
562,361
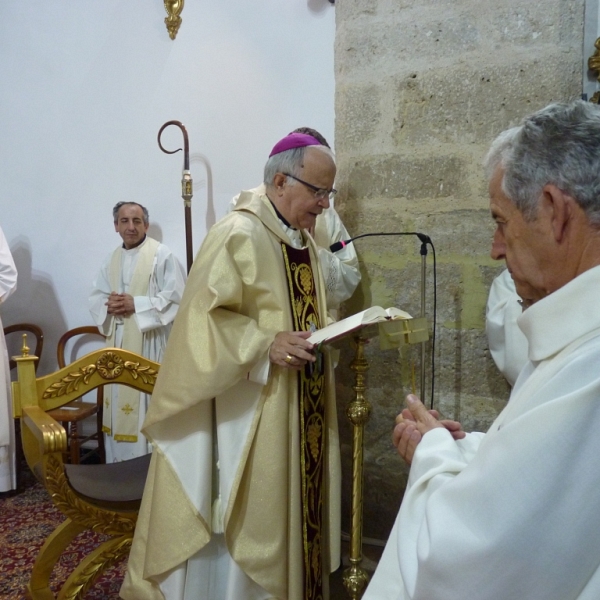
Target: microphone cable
x,y
425,240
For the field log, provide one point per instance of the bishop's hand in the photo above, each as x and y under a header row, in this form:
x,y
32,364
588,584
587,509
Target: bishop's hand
x,y
291,349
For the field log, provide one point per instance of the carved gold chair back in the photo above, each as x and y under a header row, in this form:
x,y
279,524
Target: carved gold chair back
x,y
14,339
72,416
105,498
24,328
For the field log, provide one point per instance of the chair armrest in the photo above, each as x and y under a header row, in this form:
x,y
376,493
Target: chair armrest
x,y
50,435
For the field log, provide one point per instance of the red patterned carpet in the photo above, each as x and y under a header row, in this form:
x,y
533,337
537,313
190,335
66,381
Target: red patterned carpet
x,y
26,519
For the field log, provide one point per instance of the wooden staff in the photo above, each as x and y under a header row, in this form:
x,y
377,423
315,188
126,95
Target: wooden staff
x,y
186,187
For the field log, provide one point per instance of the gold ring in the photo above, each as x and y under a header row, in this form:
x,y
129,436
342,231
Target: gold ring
x,y
288,359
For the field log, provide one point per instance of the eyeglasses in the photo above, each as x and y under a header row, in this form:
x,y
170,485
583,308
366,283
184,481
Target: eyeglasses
x,y
320,193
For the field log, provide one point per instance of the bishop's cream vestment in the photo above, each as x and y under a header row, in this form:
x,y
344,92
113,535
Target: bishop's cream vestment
x,y
221,514
341,273
514,513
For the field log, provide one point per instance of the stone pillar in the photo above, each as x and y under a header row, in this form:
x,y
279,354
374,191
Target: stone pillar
x,y
422,88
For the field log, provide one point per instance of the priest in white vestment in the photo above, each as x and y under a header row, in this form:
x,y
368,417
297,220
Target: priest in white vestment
x,y
8,284
134,301
244,408
513,513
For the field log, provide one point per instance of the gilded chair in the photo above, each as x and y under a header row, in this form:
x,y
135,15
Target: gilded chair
x,y
103,497
11,331
72,415
24,328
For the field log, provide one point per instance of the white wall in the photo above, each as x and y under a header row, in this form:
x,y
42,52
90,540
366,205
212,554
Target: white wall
x,y
85,87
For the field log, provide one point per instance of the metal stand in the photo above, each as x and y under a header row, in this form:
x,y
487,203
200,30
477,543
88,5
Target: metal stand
x,y
423,276
392,334
355,578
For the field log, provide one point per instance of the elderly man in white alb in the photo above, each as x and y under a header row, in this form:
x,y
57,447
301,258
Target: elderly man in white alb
x,y
340,269
512,513
134,300
8,284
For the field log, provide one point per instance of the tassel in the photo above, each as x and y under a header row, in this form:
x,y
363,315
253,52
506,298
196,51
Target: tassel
x,y
217,516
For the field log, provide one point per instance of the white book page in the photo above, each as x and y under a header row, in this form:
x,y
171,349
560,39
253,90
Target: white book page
x,y
375,314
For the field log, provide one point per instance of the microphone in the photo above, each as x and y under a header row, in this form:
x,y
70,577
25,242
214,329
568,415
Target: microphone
x,y
425,239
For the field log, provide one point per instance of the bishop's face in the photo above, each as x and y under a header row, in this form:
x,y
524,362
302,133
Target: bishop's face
x,y
297,202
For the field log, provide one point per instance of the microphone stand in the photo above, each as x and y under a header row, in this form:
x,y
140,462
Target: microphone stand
x,y
424,239
358,411
423,276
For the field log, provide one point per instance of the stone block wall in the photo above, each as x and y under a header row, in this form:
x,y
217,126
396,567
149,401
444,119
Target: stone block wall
x,y
422,88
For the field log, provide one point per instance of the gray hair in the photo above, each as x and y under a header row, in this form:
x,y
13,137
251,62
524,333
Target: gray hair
x,y
558,145
290,161
119,204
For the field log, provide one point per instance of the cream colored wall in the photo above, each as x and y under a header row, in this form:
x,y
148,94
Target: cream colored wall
x,y
422,88
85,87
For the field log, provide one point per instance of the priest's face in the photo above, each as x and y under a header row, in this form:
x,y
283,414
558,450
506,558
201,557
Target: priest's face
x,y
525,245
297,202
130,225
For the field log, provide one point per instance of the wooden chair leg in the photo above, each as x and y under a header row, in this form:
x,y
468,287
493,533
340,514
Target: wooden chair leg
x,y
74,443
101,449
38,587
93,566
19,454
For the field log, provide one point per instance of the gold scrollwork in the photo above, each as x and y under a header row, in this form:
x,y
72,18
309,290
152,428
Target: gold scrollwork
x,y
304,279
355,580
109,366
146,374
70,383
173,21
314,438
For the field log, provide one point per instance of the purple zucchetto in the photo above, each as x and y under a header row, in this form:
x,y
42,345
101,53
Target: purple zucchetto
x,y
294,140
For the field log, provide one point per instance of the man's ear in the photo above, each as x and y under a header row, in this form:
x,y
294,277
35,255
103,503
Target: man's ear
x,y
117,226
559,208
279,181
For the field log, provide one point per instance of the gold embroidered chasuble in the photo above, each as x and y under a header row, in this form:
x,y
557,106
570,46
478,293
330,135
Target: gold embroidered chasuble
x,y
236,299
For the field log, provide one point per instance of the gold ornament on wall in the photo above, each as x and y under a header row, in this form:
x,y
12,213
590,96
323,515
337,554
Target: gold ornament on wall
x,y
173,21
594,65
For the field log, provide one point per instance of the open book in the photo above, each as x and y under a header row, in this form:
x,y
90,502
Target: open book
x,y
375,314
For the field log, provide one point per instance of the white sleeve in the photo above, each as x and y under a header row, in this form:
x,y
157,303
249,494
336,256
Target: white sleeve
x,y
98,297
340,269
160,306
261,370
232,203
508,346
8,270
501,524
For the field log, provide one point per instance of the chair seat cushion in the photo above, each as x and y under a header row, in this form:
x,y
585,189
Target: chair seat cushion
x,y
114,482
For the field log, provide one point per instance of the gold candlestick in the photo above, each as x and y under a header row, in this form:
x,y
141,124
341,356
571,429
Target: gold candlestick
x,y
355,578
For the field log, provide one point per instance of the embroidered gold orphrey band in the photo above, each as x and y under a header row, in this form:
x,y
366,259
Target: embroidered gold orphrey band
x,y
311,395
